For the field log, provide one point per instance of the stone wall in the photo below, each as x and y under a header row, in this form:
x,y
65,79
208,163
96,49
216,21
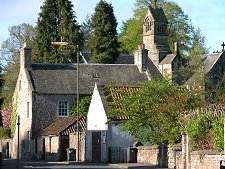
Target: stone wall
x,y
155,155
45,109
73,144
205,160
159,155
147,154
52,148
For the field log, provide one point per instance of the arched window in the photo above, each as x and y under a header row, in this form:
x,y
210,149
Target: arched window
x,y
148,24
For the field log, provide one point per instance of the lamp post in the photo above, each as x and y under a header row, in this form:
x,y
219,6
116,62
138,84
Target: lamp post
x,y
78,133
18,141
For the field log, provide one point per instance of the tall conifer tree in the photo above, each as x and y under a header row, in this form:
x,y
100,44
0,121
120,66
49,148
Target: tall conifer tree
x,y
104,43
56,22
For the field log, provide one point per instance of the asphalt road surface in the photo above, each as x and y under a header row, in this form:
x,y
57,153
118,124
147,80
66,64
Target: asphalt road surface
x,y
12,164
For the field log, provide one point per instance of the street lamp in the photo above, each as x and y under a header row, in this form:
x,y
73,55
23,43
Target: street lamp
x,y
18,141
78,134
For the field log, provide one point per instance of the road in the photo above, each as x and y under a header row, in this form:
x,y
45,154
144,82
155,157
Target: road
x,y
12,164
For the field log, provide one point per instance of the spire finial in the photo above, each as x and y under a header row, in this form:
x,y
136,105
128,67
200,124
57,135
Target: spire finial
x,y
223,45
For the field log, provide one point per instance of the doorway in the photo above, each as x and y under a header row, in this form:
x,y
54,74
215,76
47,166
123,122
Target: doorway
x,y
96,146
64,146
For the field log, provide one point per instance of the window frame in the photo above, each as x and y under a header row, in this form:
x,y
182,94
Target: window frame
x,y
63,108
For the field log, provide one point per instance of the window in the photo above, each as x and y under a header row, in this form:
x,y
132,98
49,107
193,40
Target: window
x,y
28,133
28,108
20,85
35,146
63,108
148,24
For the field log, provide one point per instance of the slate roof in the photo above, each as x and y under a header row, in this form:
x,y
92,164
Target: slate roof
x,y
168,59
153,71
61,78
210,60
125,59
158,14
122,59
63,126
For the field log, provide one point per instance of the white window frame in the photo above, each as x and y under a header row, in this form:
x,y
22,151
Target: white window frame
x,y
63,108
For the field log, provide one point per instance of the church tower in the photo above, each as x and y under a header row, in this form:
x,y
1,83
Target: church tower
x,y
155,35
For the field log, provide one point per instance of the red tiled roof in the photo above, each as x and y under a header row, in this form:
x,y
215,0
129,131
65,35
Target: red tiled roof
x,y
116,92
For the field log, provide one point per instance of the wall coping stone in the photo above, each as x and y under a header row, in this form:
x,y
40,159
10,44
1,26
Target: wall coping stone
x,y
147,147
207,152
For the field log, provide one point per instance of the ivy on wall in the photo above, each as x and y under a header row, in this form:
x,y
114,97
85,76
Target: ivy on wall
x,y
14,117
5,133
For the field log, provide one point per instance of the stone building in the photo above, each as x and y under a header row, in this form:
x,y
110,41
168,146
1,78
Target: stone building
x,y
45,92
156,54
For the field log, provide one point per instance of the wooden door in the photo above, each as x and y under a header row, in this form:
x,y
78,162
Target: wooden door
x,y
64,145
96,146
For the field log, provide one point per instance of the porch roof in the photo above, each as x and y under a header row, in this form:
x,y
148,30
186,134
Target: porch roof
x,y
63,126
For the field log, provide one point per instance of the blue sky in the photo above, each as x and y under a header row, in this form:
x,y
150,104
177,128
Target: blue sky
x,y
208,15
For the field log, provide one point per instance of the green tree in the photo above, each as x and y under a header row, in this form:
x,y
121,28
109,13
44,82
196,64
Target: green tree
x,y
205,128
18,35
195,62
87,31
130,36
104,42
179,28
219,95
84,103
56,22
154,111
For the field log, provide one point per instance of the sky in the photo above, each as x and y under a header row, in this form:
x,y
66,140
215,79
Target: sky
x,y
208,15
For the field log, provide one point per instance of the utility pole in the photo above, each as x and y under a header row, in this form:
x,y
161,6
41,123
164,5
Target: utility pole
x,y
78,133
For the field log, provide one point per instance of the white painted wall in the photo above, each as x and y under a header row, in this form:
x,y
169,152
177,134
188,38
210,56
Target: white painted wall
x,y
96,117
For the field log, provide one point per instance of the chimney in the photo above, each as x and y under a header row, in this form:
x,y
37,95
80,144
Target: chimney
x,y
25,57
141,58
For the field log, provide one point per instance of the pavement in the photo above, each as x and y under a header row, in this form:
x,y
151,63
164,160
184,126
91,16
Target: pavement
x,y
12,164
